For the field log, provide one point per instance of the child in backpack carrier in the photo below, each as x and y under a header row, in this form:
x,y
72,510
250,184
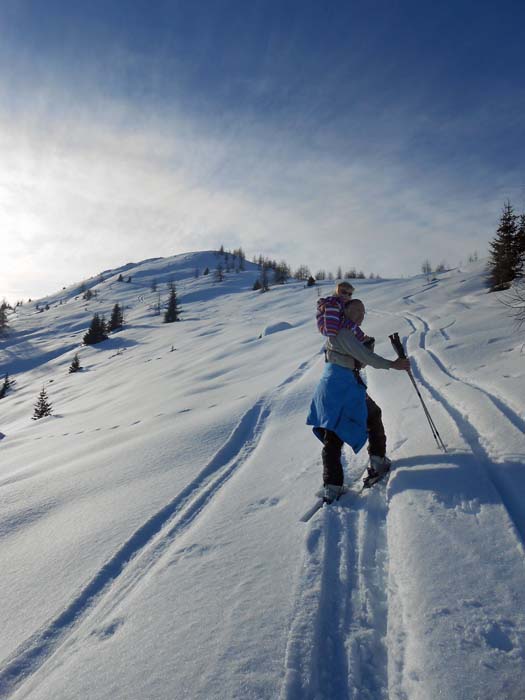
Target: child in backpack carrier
x,y
331,313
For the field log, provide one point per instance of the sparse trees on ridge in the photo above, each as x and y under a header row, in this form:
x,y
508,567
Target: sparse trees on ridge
x,y
302,273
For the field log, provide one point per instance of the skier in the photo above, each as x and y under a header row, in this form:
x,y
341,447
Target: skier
x,y
339,411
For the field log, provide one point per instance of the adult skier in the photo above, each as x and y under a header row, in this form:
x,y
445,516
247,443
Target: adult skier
x,y
339,413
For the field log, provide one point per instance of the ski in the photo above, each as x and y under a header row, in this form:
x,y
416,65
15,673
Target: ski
x,y
312,511
367,483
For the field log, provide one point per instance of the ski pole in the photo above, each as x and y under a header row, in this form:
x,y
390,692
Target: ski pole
x,y
400,350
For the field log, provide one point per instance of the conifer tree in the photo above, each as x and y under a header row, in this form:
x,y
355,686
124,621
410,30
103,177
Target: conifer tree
x,y
42,407
173,310
265,283
520,246
117,319
75,365
96,332
4,326
503,263
282,273
218,275
7,384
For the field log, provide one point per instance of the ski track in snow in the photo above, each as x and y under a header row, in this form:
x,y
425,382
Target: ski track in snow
x,y
135,558
498,402
470,433
337,642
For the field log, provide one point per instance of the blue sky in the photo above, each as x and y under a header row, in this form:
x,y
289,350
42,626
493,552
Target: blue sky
x,y
367,134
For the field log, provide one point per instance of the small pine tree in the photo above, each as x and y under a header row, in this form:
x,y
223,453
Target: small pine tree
x,y
206,271
218,275
173,311
4,326
281,273
426,267
8,383
75,365
519,243
302,273
257,285
310,282
97,331
42,407
117,319
265,283
503,263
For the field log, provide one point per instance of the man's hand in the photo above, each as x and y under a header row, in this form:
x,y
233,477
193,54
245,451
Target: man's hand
x,y
402,363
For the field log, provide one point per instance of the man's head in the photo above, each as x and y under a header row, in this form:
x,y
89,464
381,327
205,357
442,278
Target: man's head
x,y
344,289
355,311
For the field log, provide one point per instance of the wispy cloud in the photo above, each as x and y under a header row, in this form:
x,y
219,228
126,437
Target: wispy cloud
x,y
99,187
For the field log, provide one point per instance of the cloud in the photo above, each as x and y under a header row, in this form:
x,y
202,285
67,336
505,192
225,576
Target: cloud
x,y
97,185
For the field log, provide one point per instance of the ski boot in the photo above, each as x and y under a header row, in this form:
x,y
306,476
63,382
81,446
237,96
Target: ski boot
x,y
378,468
331,492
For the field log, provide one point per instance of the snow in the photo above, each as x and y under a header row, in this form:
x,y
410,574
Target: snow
x,y
149,529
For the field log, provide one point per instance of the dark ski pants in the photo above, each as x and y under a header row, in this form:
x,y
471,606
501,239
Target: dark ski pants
x,y
332,445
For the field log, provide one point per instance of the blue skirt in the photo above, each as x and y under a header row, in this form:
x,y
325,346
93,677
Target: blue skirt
x,y
339,405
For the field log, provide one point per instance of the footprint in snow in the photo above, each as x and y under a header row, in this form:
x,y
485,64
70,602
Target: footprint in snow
x,y
496,638
106,632
262,503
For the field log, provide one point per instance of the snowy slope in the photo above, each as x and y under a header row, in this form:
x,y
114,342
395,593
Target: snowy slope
x,y
149,530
